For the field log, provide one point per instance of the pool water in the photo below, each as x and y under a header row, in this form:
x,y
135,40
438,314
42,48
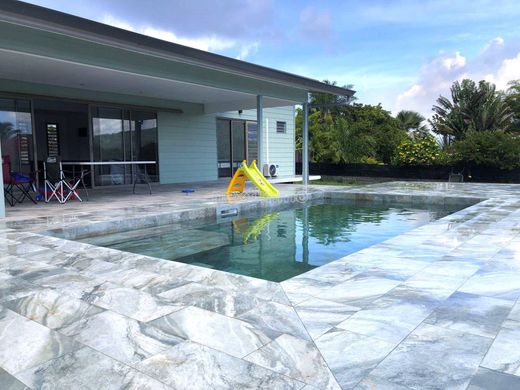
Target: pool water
x,y
276,245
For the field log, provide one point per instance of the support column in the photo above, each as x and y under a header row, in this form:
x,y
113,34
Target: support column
x,y
2,202
260,130
305,144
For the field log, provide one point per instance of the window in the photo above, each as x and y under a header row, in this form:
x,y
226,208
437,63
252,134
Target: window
x,y
281,127
53,143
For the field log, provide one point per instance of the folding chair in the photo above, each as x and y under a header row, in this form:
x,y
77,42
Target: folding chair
x,y
16,181
53,179
141,177
457,177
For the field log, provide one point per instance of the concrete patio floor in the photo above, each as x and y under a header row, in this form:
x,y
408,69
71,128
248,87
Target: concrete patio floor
x,y
434,308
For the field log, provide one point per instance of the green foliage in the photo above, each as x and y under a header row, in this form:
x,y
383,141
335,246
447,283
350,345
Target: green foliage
x,y
473,107
513,102
488,148
419,151
411,121
351,134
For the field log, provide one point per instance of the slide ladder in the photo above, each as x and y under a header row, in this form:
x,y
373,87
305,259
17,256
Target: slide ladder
x,y
253,174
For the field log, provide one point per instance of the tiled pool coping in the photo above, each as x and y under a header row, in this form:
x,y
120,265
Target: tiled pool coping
x,y
433,308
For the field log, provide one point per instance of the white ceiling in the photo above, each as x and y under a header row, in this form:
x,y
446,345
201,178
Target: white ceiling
x,y
44,70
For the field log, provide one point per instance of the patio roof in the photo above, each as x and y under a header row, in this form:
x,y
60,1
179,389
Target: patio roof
x,y
52,48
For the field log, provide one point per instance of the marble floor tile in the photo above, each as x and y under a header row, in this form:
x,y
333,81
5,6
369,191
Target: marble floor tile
x,y
87,369
388,318
303,287
262,289
120,337
351,356
486,379
437,285
371,383
515,312
505,285
296,358
193,366
504,354
26,343
13,287
433,358
9,382
359,290
226,334
275,319
129,302
476,314
51,308
218,300
319,316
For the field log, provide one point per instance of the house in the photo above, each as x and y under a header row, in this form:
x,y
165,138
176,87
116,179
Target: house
x,y
87,91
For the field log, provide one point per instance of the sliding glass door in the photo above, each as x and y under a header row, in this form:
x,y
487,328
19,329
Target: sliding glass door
x,y
236,142
17,135
121,135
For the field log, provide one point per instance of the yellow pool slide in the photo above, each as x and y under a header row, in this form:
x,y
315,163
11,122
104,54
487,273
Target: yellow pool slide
x,y
253,174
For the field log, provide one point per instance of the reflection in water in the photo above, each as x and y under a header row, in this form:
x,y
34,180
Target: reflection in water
x,y
277,246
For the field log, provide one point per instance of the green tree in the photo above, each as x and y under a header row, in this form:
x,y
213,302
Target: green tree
x,y
418,151
488,148
473,107
513,101
411,121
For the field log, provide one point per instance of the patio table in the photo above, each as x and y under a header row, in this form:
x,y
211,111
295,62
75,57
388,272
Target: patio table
x,y
135,175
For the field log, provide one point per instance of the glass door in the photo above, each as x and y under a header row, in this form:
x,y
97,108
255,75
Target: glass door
x,y
231,146
16,134
238,144
107,133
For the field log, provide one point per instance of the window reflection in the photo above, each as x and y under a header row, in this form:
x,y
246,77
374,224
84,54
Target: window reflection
x,y
16,133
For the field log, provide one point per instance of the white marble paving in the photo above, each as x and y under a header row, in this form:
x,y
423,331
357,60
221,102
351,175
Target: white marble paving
x,y
436,307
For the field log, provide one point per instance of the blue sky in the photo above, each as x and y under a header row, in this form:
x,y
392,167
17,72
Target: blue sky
x,y
402,54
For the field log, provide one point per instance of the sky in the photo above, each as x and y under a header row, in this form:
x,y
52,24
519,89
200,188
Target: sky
x,y
400,53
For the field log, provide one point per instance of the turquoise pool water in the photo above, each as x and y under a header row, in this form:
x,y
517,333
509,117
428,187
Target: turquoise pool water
x,y
278,245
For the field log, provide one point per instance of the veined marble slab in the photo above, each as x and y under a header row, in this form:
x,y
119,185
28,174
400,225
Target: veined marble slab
x,y
13,287
9,382
486,379
359,290
504,354
229,303
351,356
296,358
193,366
319,316
229,335
120,337
505,285
26,343
434,358
132,303
275,319
87,369
52,309
470,313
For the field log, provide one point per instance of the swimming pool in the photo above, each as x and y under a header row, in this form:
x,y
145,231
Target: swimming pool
x,y
276,245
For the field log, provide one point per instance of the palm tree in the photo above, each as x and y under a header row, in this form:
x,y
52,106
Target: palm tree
x,y
472,107
411,121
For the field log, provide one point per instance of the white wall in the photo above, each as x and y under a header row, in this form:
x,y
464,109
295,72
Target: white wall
x,y
188,143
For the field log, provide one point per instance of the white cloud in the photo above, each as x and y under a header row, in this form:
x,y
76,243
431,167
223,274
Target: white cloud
x,y
247,50
210,43
496,62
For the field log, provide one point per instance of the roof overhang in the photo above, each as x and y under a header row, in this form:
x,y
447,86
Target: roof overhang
x,y
36,66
